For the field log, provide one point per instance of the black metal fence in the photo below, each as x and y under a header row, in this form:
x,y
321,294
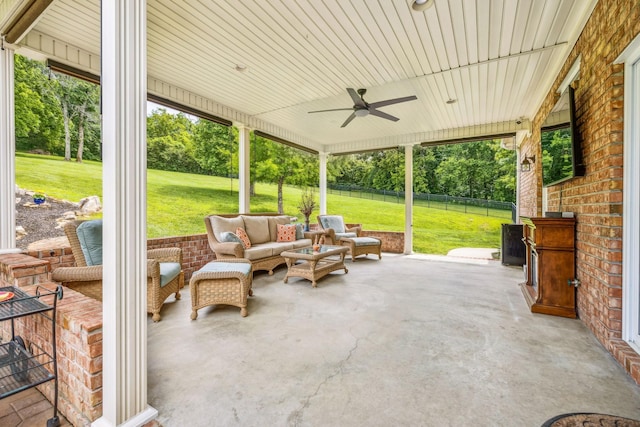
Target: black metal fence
x,y
436,201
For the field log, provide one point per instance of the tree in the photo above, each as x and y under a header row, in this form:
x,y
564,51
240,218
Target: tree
x,y
38,117
170,142
278,164
79,100
215,148
85,114
424,170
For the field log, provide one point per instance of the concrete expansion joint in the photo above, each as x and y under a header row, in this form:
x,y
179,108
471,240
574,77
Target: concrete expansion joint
x,y
295,418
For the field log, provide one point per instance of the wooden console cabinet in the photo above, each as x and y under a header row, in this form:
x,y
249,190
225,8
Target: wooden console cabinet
x,y
550,265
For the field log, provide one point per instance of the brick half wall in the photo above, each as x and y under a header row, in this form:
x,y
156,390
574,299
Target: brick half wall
x,y
79,350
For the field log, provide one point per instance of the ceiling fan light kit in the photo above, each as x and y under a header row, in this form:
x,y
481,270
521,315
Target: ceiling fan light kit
x,y
362,108
420,5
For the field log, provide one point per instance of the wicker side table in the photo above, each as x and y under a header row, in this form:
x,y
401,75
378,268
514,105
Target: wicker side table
x,y
221,282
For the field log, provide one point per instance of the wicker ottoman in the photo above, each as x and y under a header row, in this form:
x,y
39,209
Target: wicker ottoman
x,y
221,282
362,246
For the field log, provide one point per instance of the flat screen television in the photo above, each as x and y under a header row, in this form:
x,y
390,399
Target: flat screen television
x,y
560,141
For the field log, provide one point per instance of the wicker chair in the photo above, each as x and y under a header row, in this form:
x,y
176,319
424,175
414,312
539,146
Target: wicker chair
x,y
88,279
335,228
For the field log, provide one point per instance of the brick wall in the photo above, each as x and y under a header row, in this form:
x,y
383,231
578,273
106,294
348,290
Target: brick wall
x,y
22,270
79,349
195,251
57,257
391,241
595,198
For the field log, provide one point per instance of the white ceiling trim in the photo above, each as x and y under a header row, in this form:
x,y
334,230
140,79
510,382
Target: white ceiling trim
x,y
40,46
190,99
469,132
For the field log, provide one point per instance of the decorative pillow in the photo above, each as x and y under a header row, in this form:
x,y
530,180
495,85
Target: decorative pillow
x,y
242,235
299,231
228,236
286,233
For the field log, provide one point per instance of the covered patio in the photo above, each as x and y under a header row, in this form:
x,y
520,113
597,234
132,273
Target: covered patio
x,y
408,340
479,70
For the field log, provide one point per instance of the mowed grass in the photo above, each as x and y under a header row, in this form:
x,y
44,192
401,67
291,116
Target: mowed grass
x,y
178,202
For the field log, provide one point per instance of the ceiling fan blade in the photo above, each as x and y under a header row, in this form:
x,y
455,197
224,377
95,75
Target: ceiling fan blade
x,y
383,115
351,117
334,109
392,101
356,98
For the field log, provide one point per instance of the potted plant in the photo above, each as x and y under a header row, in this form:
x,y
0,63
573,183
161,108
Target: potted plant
x,y
307,205
39,198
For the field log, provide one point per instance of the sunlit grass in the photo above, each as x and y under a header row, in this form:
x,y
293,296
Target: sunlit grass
x,y
178,202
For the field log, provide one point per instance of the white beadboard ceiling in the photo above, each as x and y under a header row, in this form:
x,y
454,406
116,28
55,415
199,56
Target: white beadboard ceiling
x,y
496,58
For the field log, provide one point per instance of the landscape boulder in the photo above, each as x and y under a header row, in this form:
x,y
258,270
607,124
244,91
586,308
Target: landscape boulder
x,y
89,205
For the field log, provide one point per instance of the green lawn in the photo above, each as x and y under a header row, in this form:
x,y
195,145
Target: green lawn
x,y
178,202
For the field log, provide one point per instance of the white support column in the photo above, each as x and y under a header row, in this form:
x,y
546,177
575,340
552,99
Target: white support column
x,y
408,199
124,99
323,183
244,168
7,154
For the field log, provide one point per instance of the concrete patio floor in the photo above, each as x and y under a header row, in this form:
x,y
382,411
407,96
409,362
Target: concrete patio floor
x,y
406,341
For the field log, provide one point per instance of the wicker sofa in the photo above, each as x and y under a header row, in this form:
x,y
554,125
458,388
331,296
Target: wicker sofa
x,y
261,229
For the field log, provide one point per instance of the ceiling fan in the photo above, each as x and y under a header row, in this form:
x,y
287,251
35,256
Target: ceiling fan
x,y
362,108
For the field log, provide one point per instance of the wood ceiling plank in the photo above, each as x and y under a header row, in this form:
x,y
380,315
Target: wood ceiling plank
x,y
458,24
533,22
483,25
373,16
448,37
398,21
469,13
507,29
341,18
495,27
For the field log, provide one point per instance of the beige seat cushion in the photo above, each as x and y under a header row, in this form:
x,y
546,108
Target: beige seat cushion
x,y
279,247
258,252
257,228
221,224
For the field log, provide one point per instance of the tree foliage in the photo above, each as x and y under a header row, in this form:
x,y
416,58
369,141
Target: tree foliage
x,y
476,169
38,120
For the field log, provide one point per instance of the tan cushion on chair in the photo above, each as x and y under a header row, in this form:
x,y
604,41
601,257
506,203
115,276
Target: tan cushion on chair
x,y
221,224
257,228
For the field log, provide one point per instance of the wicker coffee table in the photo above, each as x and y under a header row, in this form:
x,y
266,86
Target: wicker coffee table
x,y
314,265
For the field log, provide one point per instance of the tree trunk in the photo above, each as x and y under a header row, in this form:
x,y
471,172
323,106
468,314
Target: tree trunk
x,y
67,133
280,198
81,115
